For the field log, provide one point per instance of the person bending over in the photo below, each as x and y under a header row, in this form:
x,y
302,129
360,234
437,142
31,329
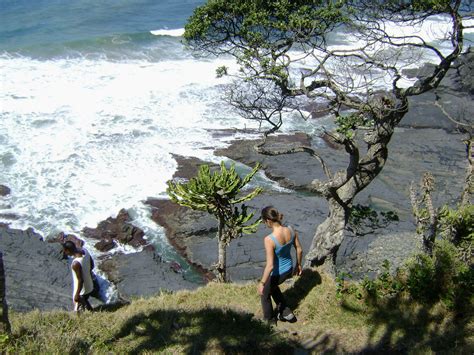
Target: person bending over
x,y
279,265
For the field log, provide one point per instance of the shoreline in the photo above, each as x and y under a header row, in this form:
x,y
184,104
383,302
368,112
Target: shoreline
x,y
424,141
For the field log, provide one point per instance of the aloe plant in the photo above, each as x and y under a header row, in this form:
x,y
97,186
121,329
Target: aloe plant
x,y
219,193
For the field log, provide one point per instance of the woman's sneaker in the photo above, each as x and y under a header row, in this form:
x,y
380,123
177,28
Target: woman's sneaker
x,y
287,316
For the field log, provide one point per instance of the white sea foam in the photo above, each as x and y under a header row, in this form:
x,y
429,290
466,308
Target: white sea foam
x,y
178,32
434,31
81,138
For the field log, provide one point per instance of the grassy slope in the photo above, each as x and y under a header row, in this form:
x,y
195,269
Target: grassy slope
x,y
224,318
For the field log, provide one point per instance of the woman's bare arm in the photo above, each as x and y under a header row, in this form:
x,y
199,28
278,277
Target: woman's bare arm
x,y
299,255
269,247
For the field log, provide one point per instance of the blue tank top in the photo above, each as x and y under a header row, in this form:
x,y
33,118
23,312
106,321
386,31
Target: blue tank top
x,y
282,262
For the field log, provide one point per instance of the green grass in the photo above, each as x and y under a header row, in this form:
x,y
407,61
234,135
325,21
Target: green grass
x,y
226,318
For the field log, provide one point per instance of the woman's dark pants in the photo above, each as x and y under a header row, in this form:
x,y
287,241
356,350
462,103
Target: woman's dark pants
x,y
271,290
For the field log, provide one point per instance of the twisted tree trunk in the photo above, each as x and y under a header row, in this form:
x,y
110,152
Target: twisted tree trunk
x,y
329,234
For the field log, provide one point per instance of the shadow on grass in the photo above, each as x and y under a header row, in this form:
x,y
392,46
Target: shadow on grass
x,y
401,326
301,287
111,307
319,342
193,332
397,325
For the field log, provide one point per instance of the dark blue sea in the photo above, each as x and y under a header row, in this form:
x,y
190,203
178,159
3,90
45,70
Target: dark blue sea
x,y
58,28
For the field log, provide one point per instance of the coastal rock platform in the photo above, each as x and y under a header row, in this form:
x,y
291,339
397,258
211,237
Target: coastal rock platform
x,y
426,141
143,274
413,152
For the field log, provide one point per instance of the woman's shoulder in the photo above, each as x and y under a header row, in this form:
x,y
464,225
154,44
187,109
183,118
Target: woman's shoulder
x,y
269,240
269,237
290,228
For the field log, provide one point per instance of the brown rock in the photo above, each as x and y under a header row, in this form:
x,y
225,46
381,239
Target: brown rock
x,y
105,245
63,237
117,229
188,167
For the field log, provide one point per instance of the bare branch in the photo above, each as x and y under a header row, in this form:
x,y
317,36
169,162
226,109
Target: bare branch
x,y
459,124
292,150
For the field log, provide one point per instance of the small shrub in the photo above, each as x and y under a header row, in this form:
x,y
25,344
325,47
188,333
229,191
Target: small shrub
x,y
344,286
364,219
427,279
384,285
457,226
420,275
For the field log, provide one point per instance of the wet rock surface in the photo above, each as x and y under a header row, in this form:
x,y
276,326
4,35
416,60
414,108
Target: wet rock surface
x,y
116,229
63,237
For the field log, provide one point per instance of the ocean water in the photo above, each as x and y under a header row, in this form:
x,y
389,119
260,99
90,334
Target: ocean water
x,y
95,98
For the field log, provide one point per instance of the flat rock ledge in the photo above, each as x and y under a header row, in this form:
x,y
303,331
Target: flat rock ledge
x,y
143,274
193,233
412,153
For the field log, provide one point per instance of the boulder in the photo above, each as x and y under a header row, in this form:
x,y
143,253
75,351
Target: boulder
x,y
118,229
63,237
36,274
105,245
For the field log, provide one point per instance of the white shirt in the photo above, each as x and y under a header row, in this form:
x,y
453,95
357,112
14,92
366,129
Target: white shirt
x,y
85,262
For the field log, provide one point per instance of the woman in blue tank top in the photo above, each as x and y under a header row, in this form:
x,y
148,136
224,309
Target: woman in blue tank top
x,y
279,265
